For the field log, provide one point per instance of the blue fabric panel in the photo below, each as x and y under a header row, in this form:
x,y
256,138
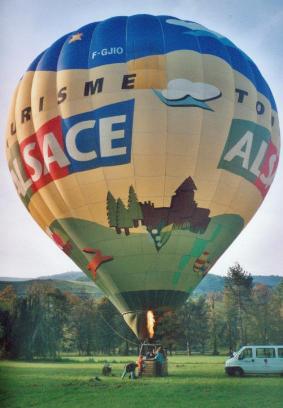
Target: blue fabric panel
x,y
121,39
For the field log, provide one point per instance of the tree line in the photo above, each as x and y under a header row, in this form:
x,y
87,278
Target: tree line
x,y
48,322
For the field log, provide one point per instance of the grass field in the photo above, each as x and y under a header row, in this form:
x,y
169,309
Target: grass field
x,y
195,381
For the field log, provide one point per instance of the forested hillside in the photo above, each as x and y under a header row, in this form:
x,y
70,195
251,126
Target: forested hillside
x,y
40,319
80,285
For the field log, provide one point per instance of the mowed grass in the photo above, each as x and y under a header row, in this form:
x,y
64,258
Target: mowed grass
x,y
195,381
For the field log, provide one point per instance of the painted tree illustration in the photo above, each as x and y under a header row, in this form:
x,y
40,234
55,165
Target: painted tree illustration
x,y
124,219
111,206
134,207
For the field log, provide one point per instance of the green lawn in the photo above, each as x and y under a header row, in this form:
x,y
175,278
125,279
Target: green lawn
x,y
193,382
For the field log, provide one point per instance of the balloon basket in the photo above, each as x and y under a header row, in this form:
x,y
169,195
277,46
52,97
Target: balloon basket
x,y
151,371
149,364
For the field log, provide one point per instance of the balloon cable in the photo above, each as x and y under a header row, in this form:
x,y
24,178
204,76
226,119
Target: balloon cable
x,y
115,331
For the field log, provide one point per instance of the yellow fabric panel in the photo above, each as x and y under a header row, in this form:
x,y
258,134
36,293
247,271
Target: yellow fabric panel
x,y
150,186
44,84
88,176
11,137
120,187
119,172
149,165
23,100
163,154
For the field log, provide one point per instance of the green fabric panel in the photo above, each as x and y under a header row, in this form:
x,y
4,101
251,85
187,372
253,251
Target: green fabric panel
x,y
153,299
198,247
238,129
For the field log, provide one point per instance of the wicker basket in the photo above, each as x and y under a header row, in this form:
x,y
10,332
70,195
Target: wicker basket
x,y
149,369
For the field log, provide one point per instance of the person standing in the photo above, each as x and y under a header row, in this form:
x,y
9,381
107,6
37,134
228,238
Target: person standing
x,y
140,364
160,361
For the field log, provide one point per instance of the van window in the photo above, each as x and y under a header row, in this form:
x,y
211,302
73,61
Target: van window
x,y
280,352
246,353
265,352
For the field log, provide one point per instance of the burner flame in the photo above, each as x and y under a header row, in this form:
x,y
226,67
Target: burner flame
x,y
150,323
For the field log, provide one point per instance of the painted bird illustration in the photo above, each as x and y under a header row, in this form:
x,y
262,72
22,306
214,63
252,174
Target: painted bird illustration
x,y
97,260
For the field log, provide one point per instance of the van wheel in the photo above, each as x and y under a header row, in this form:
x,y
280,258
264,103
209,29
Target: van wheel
x,y
238,372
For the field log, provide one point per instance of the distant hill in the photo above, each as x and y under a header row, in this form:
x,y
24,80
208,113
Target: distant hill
x,y
211,283
79,284
68,276
72,275
81,289
215,283
11,279
272,280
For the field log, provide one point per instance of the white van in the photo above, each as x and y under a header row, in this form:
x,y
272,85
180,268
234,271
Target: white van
x,y
256,360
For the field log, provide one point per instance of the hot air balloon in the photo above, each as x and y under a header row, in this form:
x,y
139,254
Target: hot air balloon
x,y
142,146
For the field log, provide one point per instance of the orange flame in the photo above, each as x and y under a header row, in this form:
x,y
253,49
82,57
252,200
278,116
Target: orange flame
x,y
150,323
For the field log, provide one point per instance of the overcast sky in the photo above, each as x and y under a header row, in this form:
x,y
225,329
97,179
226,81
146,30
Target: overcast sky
x,y
29,26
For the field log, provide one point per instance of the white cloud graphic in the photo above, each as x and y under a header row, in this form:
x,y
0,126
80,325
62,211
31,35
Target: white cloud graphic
x,y
191,26
180,88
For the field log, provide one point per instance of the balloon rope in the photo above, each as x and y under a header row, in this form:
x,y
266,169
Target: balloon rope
x,y
115,331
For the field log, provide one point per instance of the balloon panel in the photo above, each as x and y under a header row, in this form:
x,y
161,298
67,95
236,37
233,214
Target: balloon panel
x,y
142,146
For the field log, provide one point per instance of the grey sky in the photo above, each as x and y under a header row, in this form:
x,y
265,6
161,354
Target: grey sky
x,y
28,27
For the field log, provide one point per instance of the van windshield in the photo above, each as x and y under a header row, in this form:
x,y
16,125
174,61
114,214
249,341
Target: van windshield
x,y
246,353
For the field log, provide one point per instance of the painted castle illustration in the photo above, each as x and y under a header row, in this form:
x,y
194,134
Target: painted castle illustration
x,y
183,212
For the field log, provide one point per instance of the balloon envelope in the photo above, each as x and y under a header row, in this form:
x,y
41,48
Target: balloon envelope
x,y
142,146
